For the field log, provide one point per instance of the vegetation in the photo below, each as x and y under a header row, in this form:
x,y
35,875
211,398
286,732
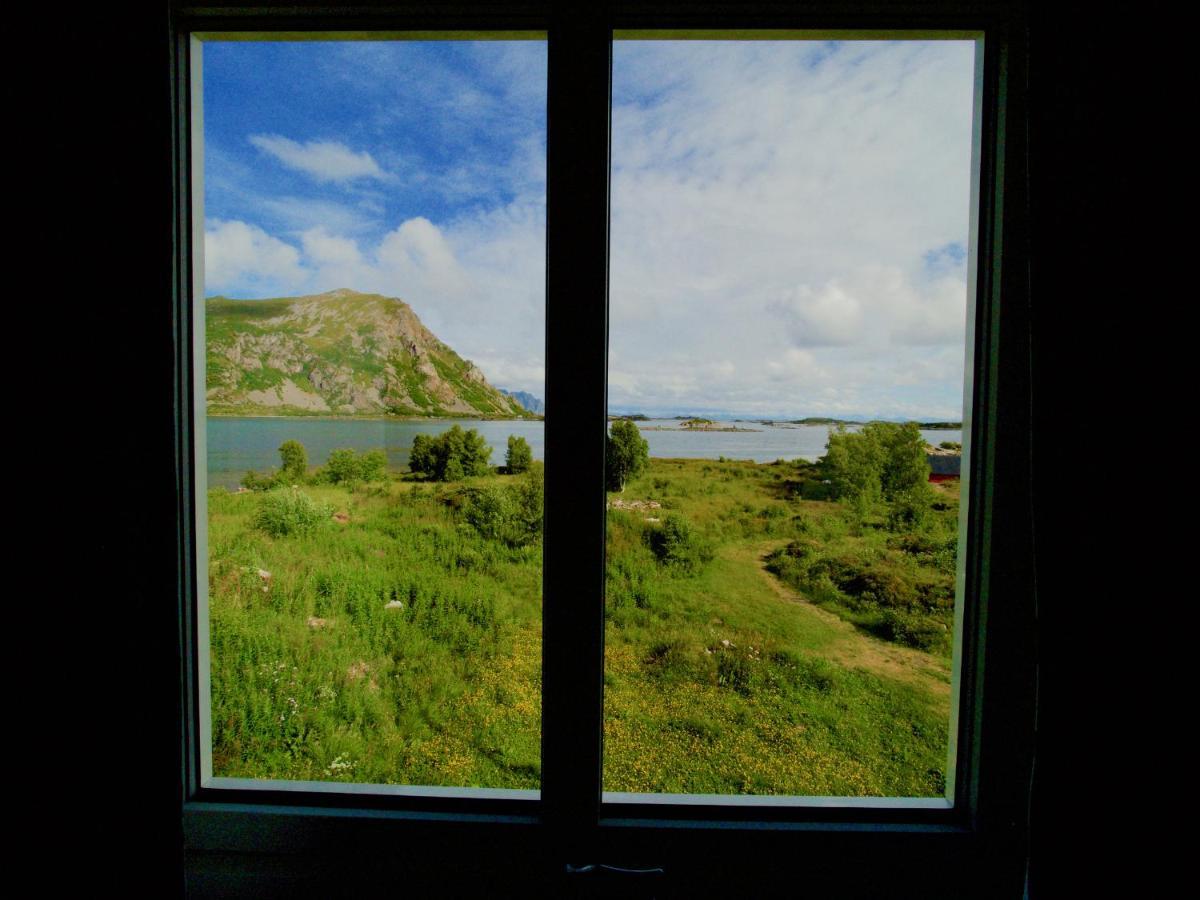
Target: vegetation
x,y
314,355
295,460
626,453
287,511
344,466
451,456
519,456
882,461
398,640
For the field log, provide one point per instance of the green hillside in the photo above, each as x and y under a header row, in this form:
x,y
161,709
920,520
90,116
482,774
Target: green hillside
x,y
338,353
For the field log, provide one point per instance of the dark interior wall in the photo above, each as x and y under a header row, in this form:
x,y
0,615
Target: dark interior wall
x,y
92,128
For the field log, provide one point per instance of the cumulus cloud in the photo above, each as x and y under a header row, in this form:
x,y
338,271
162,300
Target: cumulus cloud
x,y
799,209
239,254
485,298
322,160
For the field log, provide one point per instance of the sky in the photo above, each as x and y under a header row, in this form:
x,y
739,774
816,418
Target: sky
x,y
789,220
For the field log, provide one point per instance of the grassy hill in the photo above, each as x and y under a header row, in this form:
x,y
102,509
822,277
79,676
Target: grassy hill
x,y
342,353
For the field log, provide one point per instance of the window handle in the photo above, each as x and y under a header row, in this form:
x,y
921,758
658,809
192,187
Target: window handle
x,y
619,870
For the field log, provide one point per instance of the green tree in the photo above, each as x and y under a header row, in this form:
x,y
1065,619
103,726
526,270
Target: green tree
x,y
451,456
854,463
626,453
519,455
905,464
421,458
884,460
294,459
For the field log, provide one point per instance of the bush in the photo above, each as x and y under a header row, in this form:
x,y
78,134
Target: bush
x,y
519,456
344,466
883,460
287,511
733,671
511,515
252,481
294,460
911,509
676,544
490,513
531,498
451,456
914,630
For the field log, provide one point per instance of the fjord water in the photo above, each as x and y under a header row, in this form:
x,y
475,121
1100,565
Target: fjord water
x,y
237,445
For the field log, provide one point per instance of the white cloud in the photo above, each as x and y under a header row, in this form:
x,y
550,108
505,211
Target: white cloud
x,y
775,205
323,249
478,284
829,316
298,214
321,160
238,254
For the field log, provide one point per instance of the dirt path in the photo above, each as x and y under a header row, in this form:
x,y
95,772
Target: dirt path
x,y
851,648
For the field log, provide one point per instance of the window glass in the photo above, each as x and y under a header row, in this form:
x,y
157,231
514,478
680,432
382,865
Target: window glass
x,y
788,328
371,312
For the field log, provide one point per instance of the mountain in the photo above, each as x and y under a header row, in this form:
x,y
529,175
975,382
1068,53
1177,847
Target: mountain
x,y
342,353
527,400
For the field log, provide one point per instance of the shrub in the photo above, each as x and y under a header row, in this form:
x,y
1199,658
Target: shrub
x,y
733,671
917,631
288,511
491,513
294,460
676,544
345,466
252,481
531,498
451,456
519,456
883,460
911,509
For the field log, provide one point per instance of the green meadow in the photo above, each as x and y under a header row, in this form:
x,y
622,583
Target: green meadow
x,y
760,638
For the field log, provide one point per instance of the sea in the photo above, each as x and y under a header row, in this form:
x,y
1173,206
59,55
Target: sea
x,y
236,445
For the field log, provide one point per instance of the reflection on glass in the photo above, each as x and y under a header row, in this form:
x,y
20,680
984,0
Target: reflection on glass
x,y
374,218
789,244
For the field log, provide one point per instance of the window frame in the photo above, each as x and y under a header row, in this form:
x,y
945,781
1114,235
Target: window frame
x,y
982,836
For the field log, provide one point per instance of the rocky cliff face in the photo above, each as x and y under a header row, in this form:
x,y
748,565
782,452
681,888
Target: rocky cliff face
x,y
341,353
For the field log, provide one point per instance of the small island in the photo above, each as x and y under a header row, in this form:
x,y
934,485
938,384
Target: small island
x,y
697,424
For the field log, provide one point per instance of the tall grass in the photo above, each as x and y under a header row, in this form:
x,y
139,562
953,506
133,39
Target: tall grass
x,y
395,637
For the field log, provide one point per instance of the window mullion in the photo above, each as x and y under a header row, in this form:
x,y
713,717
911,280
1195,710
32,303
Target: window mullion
x,y
576,358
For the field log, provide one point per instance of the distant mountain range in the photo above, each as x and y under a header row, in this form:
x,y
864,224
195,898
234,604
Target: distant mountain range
x,y
342,353
527,400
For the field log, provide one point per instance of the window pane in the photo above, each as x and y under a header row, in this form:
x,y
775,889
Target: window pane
x,y
373,326
788,307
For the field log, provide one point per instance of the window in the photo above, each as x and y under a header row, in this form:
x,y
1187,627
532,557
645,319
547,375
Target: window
x,y
570,824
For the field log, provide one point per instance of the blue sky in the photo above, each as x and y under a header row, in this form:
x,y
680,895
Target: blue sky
x,y
789,219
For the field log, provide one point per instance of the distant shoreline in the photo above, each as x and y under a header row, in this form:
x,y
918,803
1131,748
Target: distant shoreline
x,y
697,428
374,418
810,420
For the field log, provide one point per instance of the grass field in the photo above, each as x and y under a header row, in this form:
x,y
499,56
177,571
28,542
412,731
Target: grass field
x,y
397,640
